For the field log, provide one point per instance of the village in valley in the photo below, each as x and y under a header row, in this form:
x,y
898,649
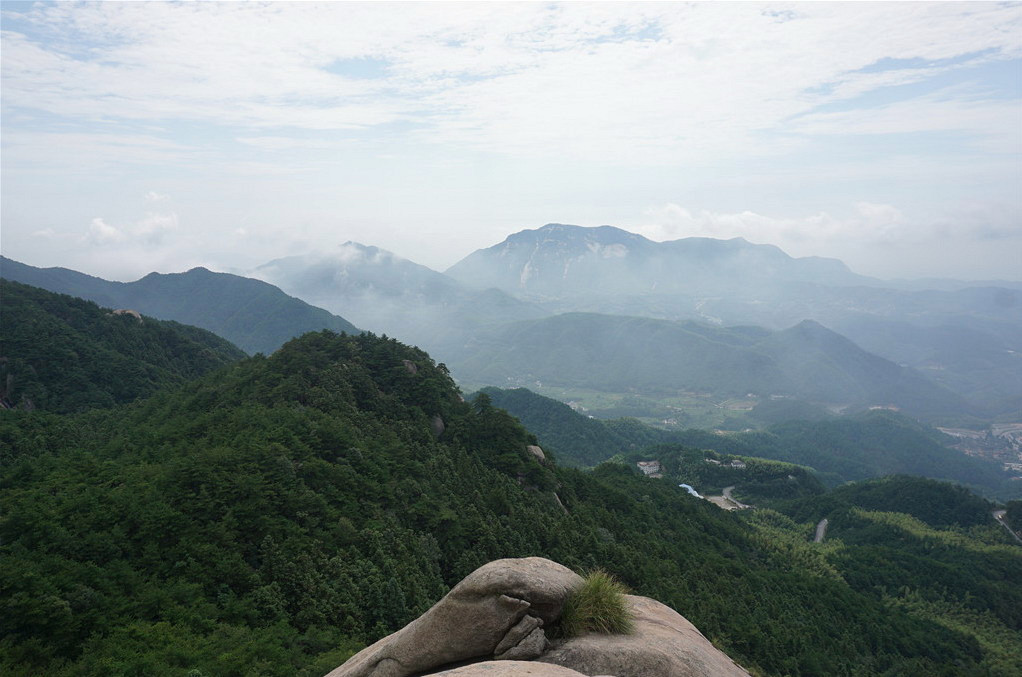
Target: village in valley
x,y
1002,442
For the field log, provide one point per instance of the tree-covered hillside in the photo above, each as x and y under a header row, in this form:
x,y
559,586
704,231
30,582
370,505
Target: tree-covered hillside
x,y
273,517
926,547
253,315
577,439
938,504
63,354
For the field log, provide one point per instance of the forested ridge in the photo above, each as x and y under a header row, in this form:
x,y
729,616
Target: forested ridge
x,y
274,516
251,314
64,354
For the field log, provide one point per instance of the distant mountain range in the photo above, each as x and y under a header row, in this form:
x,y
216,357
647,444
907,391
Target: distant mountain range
x,y
253,315
966,338
560,261
493,315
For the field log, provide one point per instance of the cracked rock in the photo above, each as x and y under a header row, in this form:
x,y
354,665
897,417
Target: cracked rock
x,y
490,608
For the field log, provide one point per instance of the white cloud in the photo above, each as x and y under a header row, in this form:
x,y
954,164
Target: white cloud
x,y
258,114
1001,120
876,239
865,223
147,232
102,233
89,153
624,81
153,227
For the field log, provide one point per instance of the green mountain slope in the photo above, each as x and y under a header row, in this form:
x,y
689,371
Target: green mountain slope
x,y
577,439
627,354
273,517
254,315
926,547
755,480
938,504
61,353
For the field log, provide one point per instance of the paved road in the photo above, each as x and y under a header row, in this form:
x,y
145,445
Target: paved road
x,y
999,516
728,497
821,531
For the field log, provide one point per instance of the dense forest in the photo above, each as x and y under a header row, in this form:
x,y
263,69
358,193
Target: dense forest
x,y
275,516
930,548
64,354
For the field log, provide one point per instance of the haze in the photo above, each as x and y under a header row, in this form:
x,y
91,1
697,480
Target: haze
x,y
153,136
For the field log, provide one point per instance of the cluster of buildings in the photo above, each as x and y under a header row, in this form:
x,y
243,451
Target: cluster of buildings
x,y
1002,442
655,469
650,468
734,463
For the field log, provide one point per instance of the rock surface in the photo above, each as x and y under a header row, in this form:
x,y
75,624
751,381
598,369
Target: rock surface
x,y
509,669
664,644
492,625
436,424
499,605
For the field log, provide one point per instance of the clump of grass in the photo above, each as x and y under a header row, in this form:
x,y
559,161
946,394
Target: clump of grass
x,y
598,605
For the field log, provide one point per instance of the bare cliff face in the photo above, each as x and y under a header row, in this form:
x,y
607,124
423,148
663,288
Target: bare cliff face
x,y
494,623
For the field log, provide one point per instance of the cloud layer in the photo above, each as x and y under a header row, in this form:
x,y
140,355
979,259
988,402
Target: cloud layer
x,y
377,118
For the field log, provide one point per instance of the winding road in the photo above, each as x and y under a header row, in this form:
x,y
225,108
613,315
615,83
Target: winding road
x,y
821,531
999,516
731,499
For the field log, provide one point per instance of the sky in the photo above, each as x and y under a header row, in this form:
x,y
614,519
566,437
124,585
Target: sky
x,y
160,136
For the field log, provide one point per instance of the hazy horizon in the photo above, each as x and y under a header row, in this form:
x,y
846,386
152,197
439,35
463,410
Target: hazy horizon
x,y
143,137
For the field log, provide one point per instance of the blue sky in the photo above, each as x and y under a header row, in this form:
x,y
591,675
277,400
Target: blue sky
x,y
160,136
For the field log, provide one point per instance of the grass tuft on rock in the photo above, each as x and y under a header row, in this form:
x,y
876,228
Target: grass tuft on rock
x,y
598,605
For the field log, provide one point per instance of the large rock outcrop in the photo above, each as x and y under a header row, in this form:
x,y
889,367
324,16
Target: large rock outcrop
x,y
664,644
492,625
509,669
496,611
